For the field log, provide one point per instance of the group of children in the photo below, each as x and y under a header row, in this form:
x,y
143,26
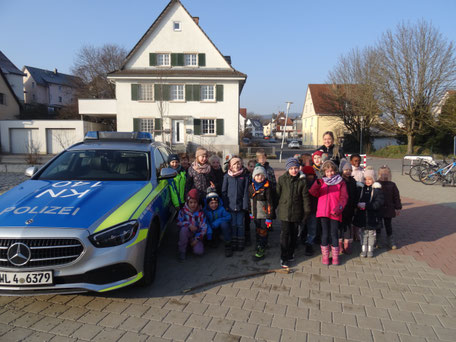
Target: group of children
x,y
315,199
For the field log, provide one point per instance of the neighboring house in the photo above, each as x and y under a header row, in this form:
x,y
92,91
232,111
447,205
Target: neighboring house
x,y
9,104
255,127
283,127
242,118
437,110
297,128
50,88
13,75
318,117
176,84
267,129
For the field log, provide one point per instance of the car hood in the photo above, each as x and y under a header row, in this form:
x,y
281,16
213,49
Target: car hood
x,y
68,204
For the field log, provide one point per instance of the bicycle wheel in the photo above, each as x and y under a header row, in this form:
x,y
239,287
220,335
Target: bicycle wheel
x,y
429,176
415,172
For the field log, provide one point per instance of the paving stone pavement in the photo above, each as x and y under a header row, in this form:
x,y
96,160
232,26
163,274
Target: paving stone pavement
x,y
396,296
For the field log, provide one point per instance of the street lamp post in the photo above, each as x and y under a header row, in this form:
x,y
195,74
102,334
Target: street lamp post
x,y
283,129
361,137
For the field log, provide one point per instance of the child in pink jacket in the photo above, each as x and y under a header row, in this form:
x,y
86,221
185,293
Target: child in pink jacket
x,y
332,198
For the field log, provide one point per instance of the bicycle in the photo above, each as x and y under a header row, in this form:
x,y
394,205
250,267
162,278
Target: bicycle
x,y
416,170
446,174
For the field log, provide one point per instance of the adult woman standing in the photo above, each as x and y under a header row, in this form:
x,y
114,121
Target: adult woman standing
x,y
335,153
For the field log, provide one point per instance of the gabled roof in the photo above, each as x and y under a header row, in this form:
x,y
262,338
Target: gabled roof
x,y
44,77
243,112
255,123
321,93
2,75
8,67
280,120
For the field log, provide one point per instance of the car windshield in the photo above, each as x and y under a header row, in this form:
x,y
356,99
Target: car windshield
x,y
98,165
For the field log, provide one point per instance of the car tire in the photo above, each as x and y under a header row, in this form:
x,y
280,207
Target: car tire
x,y
150,256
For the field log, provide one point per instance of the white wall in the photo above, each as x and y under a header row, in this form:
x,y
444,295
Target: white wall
x,y
80,127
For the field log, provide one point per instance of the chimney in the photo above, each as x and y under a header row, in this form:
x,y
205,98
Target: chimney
x,y
228,59
55,71
196,20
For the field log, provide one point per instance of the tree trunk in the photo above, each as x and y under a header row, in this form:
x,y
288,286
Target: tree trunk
x,y
410,143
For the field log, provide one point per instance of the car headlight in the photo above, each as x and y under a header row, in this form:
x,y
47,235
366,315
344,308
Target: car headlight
x,y
116,235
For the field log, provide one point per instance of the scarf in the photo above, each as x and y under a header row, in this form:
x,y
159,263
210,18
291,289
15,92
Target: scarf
x,y
235,174
206,168
336,179
257,186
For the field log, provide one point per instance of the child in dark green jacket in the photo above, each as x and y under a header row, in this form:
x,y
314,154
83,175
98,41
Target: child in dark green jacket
x,y
177,186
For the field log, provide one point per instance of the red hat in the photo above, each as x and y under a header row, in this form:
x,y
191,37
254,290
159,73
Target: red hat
x,y
308,170
316,153
193,194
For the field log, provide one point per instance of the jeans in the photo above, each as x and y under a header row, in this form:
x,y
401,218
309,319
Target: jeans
x,y
311,228
329,229
237,225
226,231
288,239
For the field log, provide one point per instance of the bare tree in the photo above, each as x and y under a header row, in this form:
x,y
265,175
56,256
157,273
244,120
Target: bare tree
x,y
352,95
416,67
92,64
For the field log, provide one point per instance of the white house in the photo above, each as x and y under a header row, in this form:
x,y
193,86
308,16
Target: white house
x,y
13,75
176,84
255,127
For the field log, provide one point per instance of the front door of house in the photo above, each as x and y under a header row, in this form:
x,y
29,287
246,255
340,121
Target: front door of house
x,y
178,131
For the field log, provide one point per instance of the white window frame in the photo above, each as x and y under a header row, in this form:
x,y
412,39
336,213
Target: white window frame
x,y
209,127
147,125
163,57
193,59
207,93
177,92
179,28
146,92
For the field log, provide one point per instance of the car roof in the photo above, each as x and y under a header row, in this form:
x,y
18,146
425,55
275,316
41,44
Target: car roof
x,y
113,145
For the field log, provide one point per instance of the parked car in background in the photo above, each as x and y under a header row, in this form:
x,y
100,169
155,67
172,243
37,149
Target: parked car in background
x,y
245,141
267,137
272,140
293,144
91,219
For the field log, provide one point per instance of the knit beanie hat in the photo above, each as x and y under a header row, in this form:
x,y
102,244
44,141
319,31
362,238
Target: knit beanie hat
x,y
211,193
193,194
291,162
369,172
259,170
172,157
316,153
308,170
200,151
345,165
234,160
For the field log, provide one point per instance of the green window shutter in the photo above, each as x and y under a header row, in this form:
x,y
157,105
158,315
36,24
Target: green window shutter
x,y
134,92
220,127
157,126
136,125
188,92
166,92
152,59
180,59
174,59
196,126
161,92
219,92
196,92
157,92
201,59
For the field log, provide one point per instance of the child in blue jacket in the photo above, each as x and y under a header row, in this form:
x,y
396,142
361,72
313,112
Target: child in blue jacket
x,y
217,219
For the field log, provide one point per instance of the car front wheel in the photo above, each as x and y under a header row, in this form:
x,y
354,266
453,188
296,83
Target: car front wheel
x,y
150,256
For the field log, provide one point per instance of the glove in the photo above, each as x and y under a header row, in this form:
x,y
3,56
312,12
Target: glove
x,y
268,223
251,216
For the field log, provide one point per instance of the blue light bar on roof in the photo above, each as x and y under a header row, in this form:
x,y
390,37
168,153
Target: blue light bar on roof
x,y
111,135
91,135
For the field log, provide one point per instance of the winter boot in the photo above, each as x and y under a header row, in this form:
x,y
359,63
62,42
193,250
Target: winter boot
x,y
234,243
240,244
335,255
370,251
228,249
363,253
259,254
391,243
348,246
325,255
371,243
341,246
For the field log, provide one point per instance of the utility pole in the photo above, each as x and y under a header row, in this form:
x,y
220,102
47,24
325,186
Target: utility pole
x,y
283,129
361,137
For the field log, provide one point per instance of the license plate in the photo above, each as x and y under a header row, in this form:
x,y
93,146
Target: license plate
x,y
25,278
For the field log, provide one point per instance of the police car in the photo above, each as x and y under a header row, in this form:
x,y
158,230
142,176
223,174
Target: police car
x,y
91,219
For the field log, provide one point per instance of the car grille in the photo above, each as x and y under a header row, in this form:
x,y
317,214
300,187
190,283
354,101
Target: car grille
x,y
44,252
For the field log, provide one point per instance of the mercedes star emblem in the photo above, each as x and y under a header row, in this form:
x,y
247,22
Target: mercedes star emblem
x,y
19,254
29,221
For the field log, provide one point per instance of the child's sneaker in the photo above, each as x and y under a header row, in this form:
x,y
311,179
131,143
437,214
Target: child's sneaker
x,y
284,264
259,253
181,257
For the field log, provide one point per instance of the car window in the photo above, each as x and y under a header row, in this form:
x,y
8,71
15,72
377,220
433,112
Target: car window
x,y
98,165
159,161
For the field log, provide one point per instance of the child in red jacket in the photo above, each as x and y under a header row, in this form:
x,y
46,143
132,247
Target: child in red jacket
x,y
332,198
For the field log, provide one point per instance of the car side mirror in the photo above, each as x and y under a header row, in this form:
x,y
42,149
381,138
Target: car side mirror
x,y
30,171
167,173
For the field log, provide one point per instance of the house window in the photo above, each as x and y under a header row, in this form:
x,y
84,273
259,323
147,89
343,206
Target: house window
x,y
163,59
60,99
177,26
146,92
207,93
146,125
33,84
208,126
190,59
2,98
177,92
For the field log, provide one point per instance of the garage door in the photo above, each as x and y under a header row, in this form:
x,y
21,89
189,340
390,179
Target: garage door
x,y
58,139
24,140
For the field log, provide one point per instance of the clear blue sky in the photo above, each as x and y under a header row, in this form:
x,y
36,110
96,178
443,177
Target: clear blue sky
x,y
281,45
